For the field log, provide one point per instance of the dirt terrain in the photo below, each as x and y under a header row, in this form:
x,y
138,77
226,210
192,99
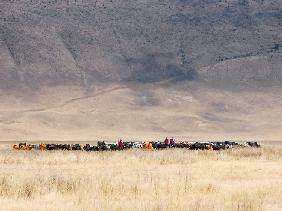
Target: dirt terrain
x,y
150,112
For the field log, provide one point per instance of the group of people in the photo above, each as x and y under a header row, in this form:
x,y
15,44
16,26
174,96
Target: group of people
x,y
170,142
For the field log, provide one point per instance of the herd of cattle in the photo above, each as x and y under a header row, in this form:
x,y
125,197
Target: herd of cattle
x,y
120,145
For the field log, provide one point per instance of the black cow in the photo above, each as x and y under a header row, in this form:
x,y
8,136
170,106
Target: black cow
x,y
253,144
87,147
114,147
76,147
159,145
219,145
128,145
66,147
51,146
63,146
179,145
198,146
22,144
95,148
231,143
102,146
60,146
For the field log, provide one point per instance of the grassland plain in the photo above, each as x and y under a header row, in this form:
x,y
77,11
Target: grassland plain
x,y
174,179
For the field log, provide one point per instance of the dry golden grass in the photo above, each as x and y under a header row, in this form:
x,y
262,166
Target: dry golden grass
x,y
177,179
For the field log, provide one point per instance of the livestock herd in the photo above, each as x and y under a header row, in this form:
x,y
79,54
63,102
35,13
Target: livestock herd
x,y
121,145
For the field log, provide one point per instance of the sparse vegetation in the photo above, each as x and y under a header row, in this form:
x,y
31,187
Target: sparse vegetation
x,y
178,179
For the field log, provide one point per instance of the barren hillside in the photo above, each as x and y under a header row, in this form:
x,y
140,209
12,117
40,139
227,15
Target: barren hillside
x,y
82,69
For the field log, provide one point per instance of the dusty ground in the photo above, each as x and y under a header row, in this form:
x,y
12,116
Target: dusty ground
x,y
245,179
144,112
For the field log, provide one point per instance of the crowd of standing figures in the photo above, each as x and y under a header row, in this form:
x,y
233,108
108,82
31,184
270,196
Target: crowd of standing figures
x,y
150,145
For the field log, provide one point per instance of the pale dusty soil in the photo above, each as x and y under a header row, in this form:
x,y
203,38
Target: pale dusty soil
x,y
141,112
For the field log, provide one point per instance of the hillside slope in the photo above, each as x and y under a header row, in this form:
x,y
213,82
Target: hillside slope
x,y
192,68
80,42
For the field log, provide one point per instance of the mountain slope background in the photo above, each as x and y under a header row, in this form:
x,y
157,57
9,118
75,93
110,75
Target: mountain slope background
x,y
84,69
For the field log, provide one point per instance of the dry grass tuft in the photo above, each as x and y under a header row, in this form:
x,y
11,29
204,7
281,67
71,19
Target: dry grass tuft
x,y
178,179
